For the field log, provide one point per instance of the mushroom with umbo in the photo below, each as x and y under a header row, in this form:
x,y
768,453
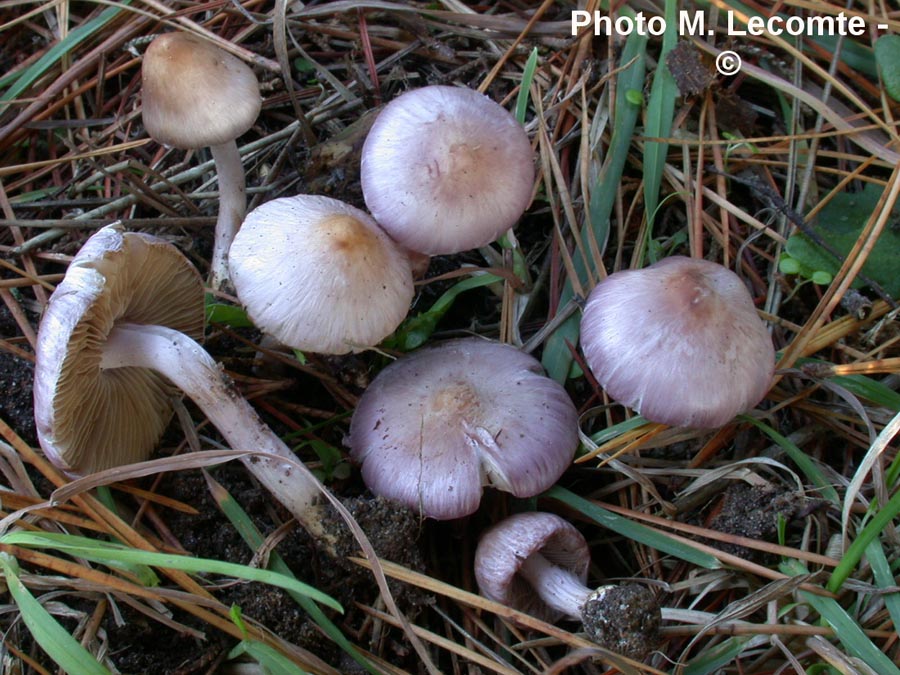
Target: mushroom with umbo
x,y
438,424
116,342
320,275
195,95
538,563
445,169
679,341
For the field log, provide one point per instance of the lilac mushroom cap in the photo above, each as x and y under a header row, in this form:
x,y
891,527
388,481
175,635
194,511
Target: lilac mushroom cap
x,y
446,169
679,341
437,425
320,275
538,563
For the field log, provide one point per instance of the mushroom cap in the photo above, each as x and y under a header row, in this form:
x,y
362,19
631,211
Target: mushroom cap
x,y
679,341
89,418
195,94
320,275
504,547
438,424
446,169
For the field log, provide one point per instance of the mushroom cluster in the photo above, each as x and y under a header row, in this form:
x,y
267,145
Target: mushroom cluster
x,y
679,341
538,563
437,425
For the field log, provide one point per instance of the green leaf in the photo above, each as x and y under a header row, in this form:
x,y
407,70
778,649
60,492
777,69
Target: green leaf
x,y
887,56
415,331
632,530
840,224
230,315
47,632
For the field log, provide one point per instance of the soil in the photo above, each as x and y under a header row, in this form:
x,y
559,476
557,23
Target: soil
x,y
392,530
16,379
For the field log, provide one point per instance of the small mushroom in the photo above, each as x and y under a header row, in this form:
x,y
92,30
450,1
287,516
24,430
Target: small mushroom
x,y
446,169
538,563
438,424
116,342
679,341
320,275
195,95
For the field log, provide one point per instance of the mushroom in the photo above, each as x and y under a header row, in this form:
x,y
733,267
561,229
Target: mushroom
x,y
116,342
194,95
445,169
320,275
438,424
538,563
679,341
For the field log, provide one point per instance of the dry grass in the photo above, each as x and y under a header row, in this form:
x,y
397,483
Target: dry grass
x,y
732,189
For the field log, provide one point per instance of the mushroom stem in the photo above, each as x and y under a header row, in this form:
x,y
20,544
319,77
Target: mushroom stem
x,y
232,208
558,587
194,371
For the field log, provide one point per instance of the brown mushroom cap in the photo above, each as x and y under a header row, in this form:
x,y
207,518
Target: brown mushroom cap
x,y
679,341
437,425
504,547
89,418
195,94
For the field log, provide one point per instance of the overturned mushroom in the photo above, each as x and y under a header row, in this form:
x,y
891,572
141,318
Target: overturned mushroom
x,y
680,342
117,341
538,563
437,425
196,95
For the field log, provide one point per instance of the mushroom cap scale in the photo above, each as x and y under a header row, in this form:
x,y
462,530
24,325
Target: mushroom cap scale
x,y
446,169
195,94
90,418
437,425
679,341
320,275
504,547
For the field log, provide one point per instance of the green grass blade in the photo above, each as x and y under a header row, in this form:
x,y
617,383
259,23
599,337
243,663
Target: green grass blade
x,y
864,537
714,658
884,578
105,552
557,358
47,632
525,87
660,111
800,458
269,659
847,630
75,37
631,530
